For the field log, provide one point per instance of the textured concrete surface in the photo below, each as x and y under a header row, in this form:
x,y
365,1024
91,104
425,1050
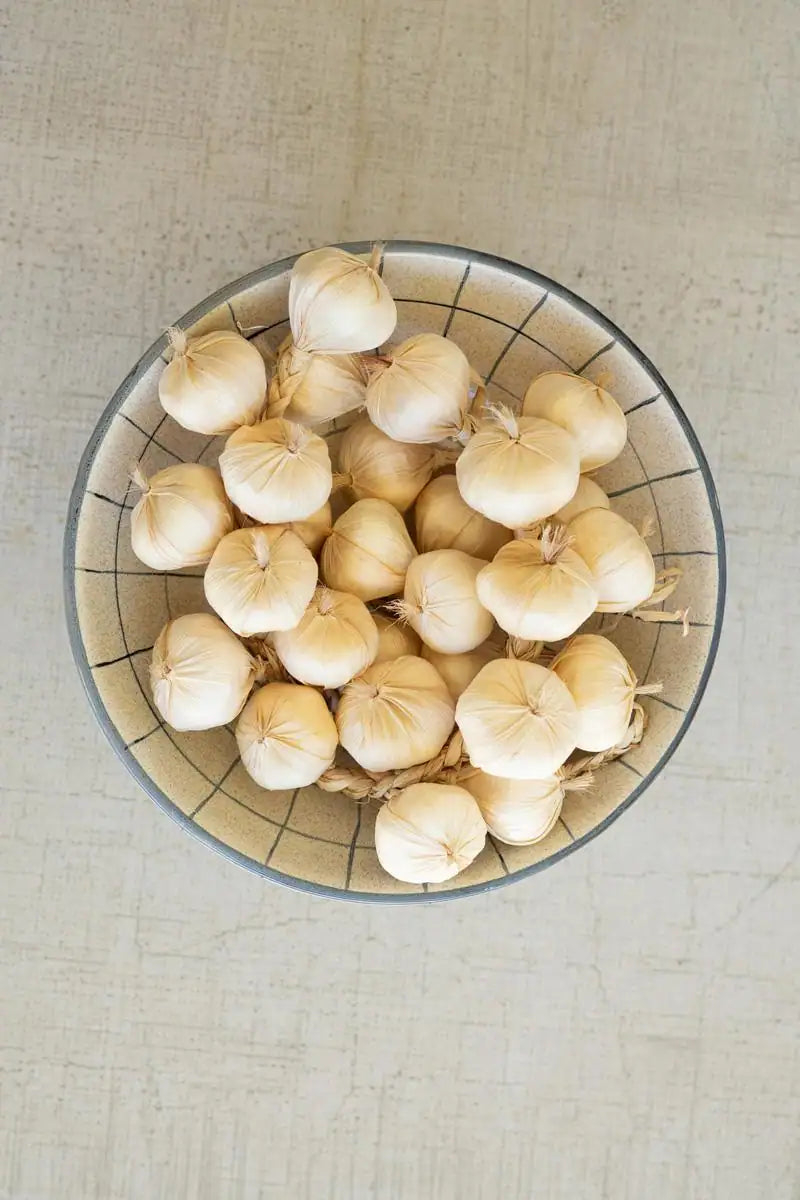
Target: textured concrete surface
x,y
623,1026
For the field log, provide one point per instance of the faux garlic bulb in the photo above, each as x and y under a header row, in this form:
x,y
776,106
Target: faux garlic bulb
x,y
440,601
459,670
182,514
618,557
538,588
314,529
517,470
584,409
588,495
444,521
374,465
313,388
395,714
213,383
200,673
338,303
518,812
603,686
395,638
286,736
276,471
419,391
335,640
368,551
517,719
429,832
260,579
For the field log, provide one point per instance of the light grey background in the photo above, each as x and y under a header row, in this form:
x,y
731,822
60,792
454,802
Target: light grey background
x,y
624,1025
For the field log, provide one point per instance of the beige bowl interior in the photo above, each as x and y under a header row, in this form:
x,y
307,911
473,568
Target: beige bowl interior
x,y
513,324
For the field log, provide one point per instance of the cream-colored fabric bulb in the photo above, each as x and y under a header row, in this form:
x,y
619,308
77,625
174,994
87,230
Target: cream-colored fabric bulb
x,y
517,470
314,529
517,719
260,579
286,736
395,714
603,686
314,388
374,465
419,391
182,514
276,471
459,670
538,589
588,495
444,521
584,409
618,557
200,673
441,603
429,832
518,812
395,638
335,640
338,303
368,551
214,383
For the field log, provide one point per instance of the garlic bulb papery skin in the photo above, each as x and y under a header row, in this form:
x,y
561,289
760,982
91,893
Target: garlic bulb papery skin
x,y
429,832
368,551
314,388
200,673
419,391
395,638
314,529
517,719
441,603
395,714
444,521
260,579
214,383
584,409
286,736
518,812
602,684
459,670
517,470
618,557
338,303
336,639
538,589
181,515
588,495
374,465
276,471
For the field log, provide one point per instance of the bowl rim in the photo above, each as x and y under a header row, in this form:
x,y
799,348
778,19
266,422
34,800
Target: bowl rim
x,y
222,296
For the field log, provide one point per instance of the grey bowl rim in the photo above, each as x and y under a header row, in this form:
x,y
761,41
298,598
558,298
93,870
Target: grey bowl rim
x,y
224,295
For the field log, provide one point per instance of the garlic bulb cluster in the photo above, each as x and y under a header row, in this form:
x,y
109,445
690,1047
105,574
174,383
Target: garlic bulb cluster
x,y
459,670
181,516
395,714
276,471
618,557
429,832
518,812
260,579
286,736
335,639
338,303
517,470
538,588
368,551
395,638
375,466
441,603
213,383
419,392
588,495
314,388
518,720
584,409
603,686
444,521
200,673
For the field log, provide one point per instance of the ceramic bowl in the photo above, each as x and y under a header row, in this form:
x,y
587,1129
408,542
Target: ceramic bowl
x,y
513,323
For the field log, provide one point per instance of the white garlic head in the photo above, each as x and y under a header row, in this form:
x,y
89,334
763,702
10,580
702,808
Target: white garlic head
x,y
276,471
368,551
420,391
286,736
395,638
260,579
338,303
587,495
315,388
181,516
374,465
313,530
518,812
440,601
213,383
444,521
459,670
200,673
618,557
336,639
584,409
429,832
602,684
